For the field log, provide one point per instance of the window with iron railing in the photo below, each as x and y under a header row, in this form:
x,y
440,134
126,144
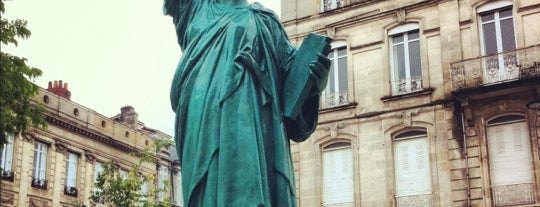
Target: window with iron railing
x,y
6,160
328,5
40,165
336,92
405,59
71,174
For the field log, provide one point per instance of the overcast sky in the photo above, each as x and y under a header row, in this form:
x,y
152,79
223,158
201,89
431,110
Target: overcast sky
x,y
112,53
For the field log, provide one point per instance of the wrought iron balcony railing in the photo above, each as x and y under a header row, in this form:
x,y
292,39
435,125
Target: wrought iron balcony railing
x,y
495,69
70,191
7,175
39,183
329,100
406,85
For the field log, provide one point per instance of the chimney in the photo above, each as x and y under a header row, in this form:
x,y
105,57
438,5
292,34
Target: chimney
x,y
129,116
59,88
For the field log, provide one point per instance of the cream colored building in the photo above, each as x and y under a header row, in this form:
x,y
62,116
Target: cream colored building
x,y
429,103
58,165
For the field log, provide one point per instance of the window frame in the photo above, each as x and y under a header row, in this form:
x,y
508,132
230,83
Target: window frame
x,y
410,84
39,171
6,159
501,121
339,96
72,162
400,138
334,146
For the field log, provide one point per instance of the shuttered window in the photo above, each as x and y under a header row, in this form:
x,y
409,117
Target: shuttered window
x,y
510,161
412,169
338,184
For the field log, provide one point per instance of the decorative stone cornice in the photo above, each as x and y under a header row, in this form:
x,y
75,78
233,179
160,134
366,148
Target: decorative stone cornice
x,y
73,127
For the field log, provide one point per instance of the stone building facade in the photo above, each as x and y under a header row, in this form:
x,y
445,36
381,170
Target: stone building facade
x,y
58,165
429,103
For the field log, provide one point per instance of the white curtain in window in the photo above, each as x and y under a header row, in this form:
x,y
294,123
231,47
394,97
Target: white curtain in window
x,y
338,181
40,160
71,171
6,155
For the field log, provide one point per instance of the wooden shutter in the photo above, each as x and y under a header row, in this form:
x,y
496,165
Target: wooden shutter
x,y
337,176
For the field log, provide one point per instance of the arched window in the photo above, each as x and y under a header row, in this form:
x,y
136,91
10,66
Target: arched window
x,y
336,92
412,168
510,160
405,58
338,183
498,38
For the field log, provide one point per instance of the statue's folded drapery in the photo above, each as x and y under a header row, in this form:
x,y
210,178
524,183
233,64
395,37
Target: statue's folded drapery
x,y
232,139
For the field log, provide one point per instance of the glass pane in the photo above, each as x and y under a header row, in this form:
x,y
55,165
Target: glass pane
x,y
399,62
413,35
487,17
490,39
342,51
331,54
507,32
342,74
330,88
397,39
505,13
414,59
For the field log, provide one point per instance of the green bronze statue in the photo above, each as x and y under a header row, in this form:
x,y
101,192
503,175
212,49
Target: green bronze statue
x,y
237,74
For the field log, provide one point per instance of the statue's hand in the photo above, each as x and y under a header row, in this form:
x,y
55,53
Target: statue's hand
x,y
319,72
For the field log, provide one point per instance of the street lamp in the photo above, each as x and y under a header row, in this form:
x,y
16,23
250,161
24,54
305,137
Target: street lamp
x,y
534,104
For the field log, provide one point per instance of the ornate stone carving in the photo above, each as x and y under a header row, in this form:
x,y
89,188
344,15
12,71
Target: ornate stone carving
x,y
89,157
60,146
401,16
407,116
7,198
38,203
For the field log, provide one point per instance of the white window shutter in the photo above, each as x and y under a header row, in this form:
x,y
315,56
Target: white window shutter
x,y
412,168
338,181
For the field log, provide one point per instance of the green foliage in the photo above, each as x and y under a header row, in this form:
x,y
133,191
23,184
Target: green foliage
x,y
17,112
116,190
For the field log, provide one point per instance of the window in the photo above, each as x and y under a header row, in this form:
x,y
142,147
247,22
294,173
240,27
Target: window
x,y
510,158
177,189
336,92
498,38
144,190
328,5
40,165
163,174
6,160
71,174
338,183
98,169
405,56
412,169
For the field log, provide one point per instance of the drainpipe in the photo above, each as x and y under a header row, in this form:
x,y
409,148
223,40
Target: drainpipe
x,y
466,154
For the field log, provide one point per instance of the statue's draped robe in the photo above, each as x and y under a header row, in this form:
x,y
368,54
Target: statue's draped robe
x,y
231,137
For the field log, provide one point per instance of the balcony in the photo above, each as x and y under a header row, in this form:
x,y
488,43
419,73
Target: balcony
x,y
495,69
329,100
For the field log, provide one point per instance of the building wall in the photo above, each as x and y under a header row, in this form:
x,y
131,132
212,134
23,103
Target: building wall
x,y
77,129
373,115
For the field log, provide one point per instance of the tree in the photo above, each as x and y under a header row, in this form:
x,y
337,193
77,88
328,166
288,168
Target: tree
x,y
17,111
117,190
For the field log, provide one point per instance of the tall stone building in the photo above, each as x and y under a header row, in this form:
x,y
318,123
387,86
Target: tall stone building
x,y
58,165
429,103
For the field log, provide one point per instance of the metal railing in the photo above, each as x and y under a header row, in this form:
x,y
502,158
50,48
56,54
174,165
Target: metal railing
x,y
329,100
406,85
498,68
